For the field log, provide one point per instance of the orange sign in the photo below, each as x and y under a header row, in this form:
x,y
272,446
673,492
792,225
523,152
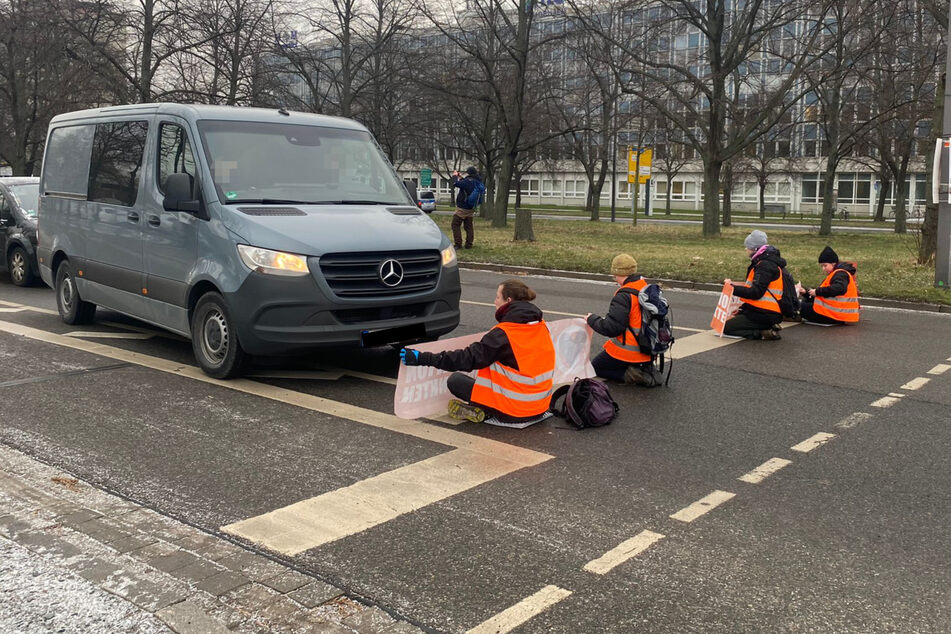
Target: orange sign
x,y
727,306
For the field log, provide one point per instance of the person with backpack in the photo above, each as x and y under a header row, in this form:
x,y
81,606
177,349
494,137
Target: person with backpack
x,y
836,301
621,359
515,360
469,196
760,312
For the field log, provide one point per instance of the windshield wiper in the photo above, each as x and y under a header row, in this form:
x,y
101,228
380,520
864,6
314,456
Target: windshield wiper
x,y
352,202
268,201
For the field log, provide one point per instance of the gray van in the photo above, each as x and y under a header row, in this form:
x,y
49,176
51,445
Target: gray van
x,y
250,231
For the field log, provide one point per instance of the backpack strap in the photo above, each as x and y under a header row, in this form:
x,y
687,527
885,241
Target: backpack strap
x,y
560,393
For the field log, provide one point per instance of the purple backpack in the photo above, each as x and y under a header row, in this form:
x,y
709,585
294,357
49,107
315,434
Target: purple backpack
x,y
587,403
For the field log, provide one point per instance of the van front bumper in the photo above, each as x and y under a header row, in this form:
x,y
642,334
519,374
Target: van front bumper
x,y
284,315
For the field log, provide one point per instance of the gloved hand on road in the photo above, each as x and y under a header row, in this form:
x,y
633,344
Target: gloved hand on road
x,y
408,356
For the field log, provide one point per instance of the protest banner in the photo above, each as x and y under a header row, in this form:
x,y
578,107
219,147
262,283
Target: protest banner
x,y
421,390
727,306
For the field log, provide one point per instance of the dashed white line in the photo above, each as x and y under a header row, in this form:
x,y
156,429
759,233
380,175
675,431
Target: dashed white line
x,y
853,420
622,552
702,506
885,401
527,608
896,394
765,470
109,335
916,383
941,368
812,442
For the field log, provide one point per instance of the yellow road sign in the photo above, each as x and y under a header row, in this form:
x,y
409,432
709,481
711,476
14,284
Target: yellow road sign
x,y
639,165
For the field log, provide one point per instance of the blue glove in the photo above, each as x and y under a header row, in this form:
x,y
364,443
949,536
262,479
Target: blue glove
x,y
408,356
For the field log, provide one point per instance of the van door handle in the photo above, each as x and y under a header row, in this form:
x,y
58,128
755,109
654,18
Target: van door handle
x,y
153,220
132,216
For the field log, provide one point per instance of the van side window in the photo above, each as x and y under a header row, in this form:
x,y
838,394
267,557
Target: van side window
x,y
66,162
116,163
175,154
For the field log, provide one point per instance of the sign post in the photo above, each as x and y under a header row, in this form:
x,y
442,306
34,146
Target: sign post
x,y
639,173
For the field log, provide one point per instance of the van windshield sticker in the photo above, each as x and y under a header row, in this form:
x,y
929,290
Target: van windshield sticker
x,y
231,195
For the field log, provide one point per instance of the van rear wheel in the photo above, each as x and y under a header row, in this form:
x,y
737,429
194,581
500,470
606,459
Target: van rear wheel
x,y
214,339
72,308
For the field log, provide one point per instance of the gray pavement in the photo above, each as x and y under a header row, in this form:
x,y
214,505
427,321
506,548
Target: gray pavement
x,y
850,536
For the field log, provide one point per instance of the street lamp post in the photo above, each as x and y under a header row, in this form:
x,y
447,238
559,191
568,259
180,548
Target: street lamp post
x,y
942,268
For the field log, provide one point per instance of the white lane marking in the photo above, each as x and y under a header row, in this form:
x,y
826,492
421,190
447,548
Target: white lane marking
x,y
704,342
555,312
853,420
916,383
35,309
765,470
109,335
812,442
622,552
330,374
478,460
527,608
702,506
941,368
896,394
11,310
885,401
368,503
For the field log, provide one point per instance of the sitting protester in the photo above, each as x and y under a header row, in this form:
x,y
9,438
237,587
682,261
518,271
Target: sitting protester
x,y
516,363
836,301
622,359
759,315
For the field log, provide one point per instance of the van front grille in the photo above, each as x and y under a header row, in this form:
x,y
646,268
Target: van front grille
x,y
382,313
355,275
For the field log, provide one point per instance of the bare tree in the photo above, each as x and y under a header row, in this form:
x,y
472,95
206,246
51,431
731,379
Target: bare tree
x,y
938,10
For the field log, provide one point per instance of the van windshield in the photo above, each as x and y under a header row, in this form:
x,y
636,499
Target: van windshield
x,y
27,197
284,163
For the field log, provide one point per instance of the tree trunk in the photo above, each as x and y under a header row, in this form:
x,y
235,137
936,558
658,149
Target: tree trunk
x,y
711,200
504,182
901,206
727,206
670,182
762,200
523,225
882,197
929,226
828,200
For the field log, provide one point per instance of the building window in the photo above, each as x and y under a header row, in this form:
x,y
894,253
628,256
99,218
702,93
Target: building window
x,y
575,188
551,188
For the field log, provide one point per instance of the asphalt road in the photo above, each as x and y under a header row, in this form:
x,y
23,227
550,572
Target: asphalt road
x,y
850,536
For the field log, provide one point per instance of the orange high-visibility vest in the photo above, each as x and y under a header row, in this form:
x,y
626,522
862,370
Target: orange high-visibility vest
x,y
767,301
841,307
527,391
624,347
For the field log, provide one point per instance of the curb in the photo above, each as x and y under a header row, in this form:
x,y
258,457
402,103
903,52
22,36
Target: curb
x,y
683,284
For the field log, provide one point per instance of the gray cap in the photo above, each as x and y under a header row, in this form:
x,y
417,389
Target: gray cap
x,y
755,240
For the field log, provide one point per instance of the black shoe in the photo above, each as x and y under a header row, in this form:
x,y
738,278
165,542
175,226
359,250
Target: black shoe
x,y
634,375
468,246
458,246
770,335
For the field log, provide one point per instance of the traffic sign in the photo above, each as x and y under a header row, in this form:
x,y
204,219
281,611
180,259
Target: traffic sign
x,y
425,177
639,165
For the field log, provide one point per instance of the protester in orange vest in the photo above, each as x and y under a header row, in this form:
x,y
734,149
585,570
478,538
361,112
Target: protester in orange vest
x,y
622,359
759,315
516,363
836,301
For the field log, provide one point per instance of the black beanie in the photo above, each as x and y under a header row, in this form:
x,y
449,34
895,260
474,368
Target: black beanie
x,y
828,255
471,171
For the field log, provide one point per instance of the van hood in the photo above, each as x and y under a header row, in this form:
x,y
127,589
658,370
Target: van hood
x,y
315,230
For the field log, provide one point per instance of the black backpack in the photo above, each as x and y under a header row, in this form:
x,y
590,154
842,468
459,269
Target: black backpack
x,y
657,335
587,403
789,304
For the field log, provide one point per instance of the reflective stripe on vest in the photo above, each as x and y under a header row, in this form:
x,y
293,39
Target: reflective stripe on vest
x,y
841,307
767,301
527,391
624,347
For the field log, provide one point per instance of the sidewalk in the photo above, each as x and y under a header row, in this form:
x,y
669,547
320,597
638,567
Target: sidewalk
x,y
76,559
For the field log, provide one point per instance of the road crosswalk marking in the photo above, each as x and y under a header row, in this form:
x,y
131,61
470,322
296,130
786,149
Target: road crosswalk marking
x,y
527,608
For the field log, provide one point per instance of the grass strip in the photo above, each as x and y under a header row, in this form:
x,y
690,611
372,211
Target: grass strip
x,y
885,261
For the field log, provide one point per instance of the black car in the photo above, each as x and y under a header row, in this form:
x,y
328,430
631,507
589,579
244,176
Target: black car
x,y
18,203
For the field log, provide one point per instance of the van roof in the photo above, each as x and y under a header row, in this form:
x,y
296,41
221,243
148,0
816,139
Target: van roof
x,y
194,112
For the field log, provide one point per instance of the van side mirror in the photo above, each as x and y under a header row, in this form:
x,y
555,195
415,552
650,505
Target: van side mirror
x,y
411,190
179,196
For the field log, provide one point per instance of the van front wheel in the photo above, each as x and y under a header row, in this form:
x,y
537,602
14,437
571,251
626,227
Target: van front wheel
x,y
214,339
72,309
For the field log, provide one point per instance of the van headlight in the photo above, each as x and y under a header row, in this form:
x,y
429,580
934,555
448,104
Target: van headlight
x,y
448,255
272,262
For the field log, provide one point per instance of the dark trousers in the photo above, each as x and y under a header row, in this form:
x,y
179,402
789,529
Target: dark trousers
x,y
750,325
462,220
607,367
808,311
460,385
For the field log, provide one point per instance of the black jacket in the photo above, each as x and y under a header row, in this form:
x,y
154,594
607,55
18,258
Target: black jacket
x,y
839,282
765,267
618,318
465,185
494,346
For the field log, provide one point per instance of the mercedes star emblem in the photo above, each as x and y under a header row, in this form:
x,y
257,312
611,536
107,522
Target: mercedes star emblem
x,y
391,272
